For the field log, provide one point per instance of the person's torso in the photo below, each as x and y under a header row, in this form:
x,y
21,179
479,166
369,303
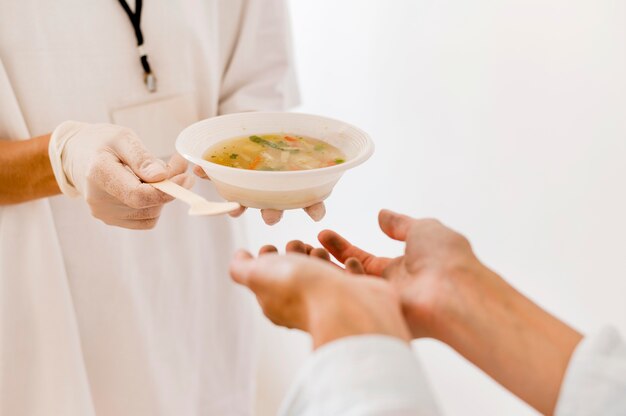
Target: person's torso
x,y
163,330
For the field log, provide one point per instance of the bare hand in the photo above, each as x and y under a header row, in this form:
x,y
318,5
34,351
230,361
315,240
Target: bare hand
x,y
425,276
446,293
352,265
310,294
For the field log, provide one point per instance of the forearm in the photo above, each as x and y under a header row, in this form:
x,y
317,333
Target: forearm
x,y
25,171
337,309
520,345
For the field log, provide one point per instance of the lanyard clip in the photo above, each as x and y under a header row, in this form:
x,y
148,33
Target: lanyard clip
x,y
151,82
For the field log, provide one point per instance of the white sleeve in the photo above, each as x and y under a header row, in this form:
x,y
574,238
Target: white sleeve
x,y
595,380
361,376
260,75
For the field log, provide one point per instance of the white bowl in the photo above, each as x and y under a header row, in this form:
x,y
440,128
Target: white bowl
x,y
266,189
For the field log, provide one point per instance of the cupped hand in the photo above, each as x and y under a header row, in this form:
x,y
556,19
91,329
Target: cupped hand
x,y
430,277
311,294
448,294
351,264
272,216
110,168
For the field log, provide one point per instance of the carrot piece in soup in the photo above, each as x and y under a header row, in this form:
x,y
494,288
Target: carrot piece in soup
x,y
255,162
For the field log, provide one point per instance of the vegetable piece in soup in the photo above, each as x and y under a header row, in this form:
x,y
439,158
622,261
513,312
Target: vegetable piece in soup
x,y
275,152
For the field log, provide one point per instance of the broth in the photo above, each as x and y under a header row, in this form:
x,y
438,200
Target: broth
x,y
275,152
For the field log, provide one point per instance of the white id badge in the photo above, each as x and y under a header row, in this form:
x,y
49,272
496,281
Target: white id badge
x,y
158,123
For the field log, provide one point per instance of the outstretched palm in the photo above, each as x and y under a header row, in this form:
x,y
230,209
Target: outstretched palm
x,y
424,276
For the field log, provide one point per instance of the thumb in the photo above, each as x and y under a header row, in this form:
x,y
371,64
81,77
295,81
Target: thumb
x,y
241,266
131,151
394,225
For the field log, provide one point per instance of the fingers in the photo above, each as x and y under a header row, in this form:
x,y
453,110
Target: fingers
x,y
320,253
354,266
395,225
198,171
119,215
258,274
267,249
271,216
177,165
299,247
281,283
241,267
112,176
316,212
185,180
238,213
296,246
138,225
268,269
115,179
144,214
116,214
342,250
131,151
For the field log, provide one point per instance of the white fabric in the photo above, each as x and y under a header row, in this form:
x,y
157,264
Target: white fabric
x,y
371,375
361,376
96,320
37,322
595,381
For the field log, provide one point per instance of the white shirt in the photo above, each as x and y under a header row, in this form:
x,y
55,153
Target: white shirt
x,y
595,380
97,320
378,376
366,375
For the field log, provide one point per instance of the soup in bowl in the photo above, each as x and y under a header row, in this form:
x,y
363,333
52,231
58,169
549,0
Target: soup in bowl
x,y
274,160
275,152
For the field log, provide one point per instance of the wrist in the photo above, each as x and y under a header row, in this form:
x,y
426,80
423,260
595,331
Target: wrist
x,y
477,302
25,171
324,312
59,140
512,339
446,303
340,308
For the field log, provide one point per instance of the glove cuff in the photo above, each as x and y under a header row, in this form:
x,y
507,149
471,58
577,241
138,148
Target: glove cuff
x,y
59,138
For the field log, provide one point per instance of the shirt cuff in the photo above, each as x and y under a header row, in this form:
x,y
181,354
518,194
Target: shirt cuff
x,y
595,380
358,376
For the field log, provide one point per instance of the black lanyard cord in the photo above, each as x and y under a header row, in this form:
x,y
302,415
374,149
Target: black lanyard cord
x,y
135,20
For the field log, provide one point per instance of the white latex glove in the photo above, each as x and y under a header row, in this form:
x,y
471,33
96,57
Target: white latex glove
x,y
272,216
107,165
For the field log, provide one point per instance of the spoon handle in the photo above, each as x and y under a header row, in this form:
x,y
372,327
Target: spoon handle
x,y
199,205
178,192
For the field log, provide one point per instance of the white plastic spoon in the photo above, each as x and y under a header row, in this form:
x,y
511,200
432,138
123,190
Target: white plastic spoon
x,y
198,205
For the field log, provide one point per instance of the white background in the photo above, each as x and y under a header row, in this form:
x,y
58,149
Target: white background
x,y
506,120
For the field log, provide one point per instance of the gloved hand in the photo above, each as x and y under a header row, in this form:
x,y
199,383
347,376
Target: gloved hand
x,y
107,165
272,216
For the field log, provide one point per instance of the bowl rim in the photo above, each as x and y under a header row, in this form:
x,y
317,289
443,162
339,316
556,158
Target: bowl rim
x,y
367,152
